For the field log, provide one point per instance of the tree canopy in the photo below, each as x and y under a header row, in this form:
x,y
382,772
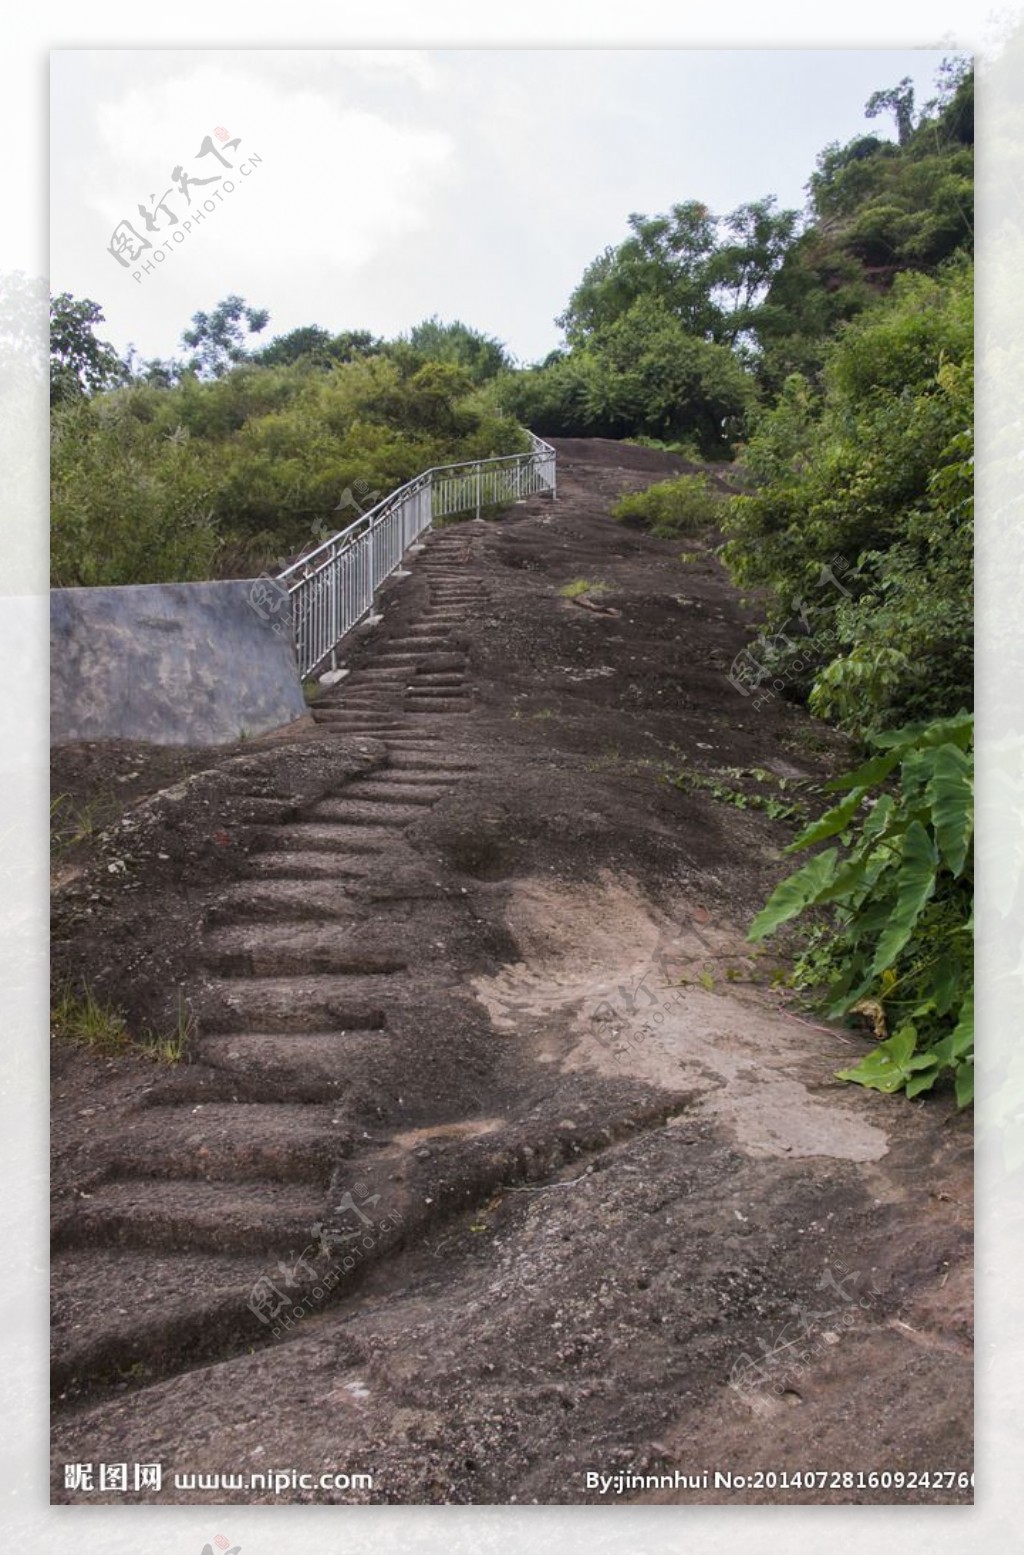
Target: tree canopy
x,y
80,364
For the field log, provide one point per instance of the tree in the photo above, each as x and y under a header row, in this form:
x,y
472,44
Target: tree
x,y
155,372
899,101
742,268
309,341
847,175
665,258
710,272
457,345
312,344
656,378
79,363
218,339
644,374
878,209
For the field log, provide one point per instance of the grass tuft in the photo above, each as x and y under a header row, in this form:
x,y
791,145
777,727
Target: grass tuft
x,y
87,1022
580,586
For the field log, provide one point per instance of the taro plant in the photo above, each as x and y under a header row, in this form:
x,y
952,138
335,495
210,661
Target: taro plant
x,y
890,905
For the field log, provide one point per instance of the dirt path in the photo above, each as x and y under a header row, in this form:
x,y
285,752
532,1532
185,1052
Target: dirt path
x,y
499,1163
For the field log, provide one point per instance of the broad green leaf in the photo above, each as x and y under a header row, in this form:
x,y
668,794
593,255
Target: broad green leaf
x,y
793,894
963,1034
900,1046
964,1084
915,771
827,825
897,854
844,885
959,729
844,997
877,1072
899,740
885,1068
914,886
951,796
865,776
875,914
923,1080
958,1045
944,980
878,818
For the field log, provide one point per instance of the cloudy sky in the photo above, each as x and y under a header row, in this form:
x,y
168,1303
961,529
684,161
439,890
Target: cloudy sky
x,y
395,184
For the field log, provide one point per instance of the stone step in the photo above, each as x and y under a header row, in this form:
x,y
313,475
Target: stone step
x,y
379,695
417,705
231,1142
377,707
314,1066
375,671
372,728
172,1311
450,693
346,835
441,778
391,790
280,899
363,813
360,723
314,1003
189,1215
307,866
413,728
417,741
435,640
416,736
299,949
411,759
376,701
403,661
441,664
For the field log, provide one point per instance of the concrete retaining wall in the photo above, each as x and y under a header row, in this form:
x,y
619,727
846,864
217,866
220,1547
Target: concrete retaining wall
x,y
173,663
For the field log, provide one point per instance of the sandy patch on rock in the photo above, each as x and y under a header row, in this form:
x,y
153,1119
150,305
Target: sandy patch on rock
x,y
607,983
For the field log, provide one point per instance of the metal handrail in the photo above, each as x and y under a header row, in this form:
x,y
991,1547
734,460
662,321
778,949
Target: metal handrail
x,y
332,587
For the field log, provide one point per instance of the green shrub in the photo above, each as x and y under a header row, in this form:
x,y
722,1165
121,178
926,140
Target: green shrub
x,y
129,504
226,477
896,940
860,519
686,505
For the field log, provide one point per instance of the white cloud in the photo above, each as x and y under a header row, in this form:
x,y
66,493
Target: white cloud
x,y
337,182
351,170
